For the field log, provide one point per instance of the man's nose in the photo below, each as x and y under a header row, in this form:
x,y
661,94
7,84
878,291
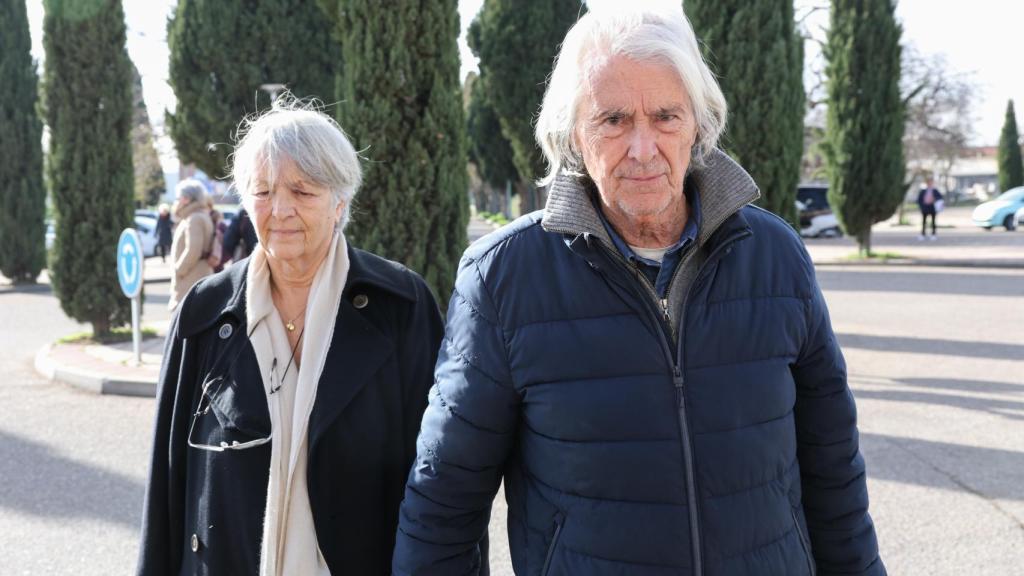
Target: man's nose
x,y
643,143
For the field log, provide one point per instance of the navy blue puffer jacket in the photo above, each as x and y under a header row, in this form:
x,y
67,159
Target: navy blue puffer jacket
x,y
729,450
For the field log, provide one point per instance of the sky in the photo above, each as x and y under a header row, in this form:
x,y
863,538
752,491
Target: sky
x,y
978,38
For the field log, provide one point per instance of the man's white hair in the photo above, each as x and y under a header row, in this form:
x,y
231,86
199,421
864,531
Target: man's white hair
x,y
645,32
297,132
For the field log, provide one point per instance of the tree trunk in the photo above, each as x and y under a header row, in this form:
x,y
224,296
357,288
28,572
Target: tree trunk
x,y
100,327
864,243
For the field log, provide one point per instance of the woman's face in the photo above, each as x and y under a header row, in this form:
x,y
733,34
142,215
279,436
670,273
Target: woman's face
x,y
295,219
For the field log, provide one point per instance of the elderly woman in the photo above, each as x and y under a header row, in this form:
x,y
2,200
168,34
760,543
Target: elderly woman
x,y
192,238
293,382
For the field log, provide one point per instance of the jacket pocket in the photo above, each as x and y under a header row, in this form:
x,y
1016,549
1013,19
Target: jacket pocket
x,y
804,544
559,522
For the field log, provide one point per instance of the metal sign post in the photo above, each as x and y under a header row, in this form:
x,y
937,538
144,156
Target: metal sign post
x,y
129,275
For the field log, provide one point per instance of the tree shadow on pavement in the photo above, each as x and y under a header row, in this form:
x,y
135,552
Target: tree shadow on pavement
x,y
161,299
965,283
39,481
975,386
1006,408
43,289
991,473
989,350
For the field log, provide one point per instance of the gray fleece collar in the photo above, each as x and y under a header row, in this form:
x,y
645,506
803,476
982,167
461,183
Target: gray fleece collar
x,y
723,185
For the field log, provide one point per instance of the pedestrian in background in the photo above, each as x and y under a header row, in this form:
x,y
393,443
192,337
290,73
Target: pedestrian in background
x,y
216,252
930,202
293,383
648,363
192,237
240,238
164,231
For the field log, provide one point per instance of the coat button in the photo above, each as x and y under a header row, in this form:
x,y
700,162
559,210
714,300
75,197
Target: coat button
x,y
225,331
360,301
195,543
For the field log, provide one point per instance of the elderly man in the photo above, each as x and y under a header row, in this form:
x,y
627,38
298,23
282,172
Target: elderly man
x,y
648,363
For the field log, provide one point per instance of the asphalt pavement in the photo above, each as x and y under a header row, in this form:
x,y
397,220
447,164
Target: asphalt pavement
x,y
935,355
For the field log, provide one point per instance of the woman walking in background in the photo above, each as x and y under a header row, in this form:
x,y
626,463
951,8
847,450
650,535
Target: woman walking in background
x,y
192,238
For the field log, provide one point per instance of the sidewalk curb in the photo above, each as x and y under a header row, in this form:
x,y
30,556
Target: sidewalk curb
x,y
91,381
925,263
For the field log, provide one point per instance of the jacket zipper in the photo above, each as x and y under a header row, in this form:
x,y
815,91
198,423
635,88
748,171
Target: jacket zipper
x,y
804,544
677,381
559,521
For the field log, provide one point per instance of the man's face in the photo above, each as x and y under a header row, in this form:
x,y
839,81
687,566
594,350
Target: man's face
x,y
635,131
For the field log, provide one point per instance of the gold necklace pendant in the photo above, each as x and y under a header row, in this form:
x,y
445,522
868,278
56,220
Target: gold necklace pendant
x,y
290,326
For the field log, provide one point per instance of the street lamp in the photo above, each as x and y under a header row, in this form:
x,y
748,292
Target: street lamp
x,y
273,90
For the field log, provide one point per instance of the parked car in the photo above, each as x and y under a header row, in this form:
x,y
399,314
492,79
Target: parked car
x,y
816,216
146,227
1002,211
1020,217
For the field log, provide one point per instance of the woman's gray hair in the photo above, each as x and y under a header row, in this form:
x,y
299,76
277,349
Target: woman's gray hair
x,y
299,132
192,189
659,33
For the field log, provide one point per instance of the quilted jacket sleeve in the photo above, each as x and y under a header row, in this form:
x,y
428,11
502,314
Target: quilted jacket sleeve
x,y
467,432
835,496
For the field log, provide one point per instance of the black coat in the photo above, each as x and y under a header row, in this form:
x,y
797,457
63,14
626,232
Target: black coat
x,y
204,510
164,232
242,233
928,208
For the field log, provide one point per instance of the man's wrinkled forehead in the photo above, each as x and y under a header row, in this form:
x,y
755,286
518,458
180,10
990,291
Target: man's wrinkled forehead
x,y
603,92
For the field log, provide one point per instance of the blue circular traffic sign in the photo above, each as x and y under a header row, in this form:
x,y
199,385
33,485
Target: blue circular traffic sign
x,y
129,262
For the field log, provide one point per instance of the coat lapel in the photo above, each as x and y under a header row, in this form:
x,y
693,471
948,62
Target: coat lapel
x,y
358,350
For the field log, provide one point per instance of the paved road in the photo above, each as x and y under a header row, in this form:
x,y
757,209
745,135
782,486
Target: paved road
x,y
72,464
936,358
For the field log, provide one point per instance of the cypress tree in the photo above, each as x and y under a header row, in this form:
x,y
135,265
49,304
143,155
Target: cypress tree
x,y
149,174
516,42
1011,170
22,196
757,53
88,102
489,150
864,125
401,103
222,51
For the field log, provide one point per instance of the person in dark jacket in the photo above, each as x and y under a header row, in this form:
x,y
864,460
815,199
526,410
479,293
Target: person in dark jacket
x,y
929,201
240,238
647,363
164,232
293,383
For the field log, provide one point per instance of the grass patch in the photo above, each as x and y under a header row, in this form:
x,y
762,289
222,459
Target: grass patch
x,y
116,335
876,257
498,219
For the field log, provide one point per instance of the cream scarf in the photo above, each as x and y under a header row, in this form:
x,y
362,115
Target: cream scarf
x,y
289,535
